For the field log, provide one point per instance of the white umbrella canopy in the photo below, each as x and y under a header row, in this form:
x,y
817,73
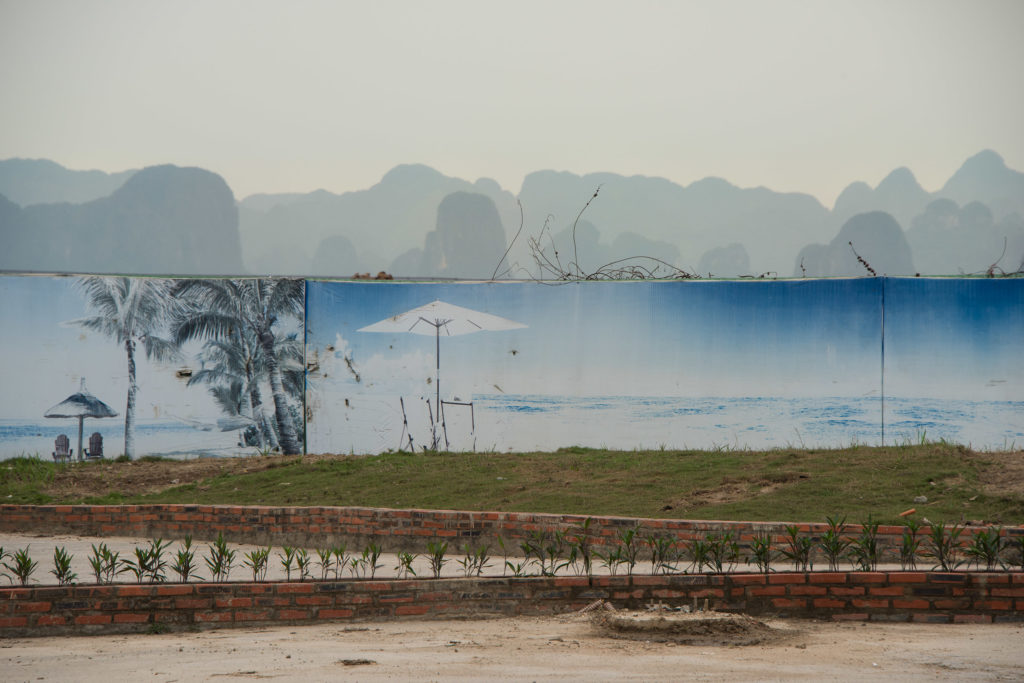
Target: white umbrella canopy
x,y
81,405
439,317
436,316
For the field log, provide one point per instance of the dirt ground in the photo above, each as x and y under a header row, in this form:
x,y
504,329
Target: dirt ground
x,y
567,648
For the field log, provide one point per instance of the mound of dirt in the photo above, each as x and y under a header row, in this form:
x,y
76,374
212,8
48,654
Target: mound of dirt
x,y
688,628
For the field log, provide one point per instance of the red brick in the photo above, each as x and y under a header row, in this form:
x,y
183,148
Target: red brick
x,y
295,588
1007,592
951,603
886,590
807,590
50,620
192,603
334,613
850,616
910,604
748,579
130,618
868,577
877,602
180,589
998,605
972,618
827,577
92,619
134,591
757,591
403,610
233,602
32,607
315,600
789,602
829,603
213,616
787,578
846,590
434,596
907,578
293,614
265,615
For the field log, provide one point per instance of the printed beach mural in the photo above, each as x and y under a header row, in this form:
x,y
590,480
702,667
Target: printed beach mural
x,y
191,367
225,367
668,364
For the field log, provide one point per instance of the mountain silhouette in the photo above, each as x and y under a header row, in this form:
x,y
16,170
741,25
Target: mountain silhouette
x,y
985,178
163,220
949,240
729,261
706,214
173,220
875,236
40,181
382,221
468,241
899,195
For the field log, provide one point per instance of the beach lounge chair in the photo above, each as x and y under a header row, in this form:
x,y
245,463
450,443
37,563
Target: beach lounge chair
x,y
95,449
62,452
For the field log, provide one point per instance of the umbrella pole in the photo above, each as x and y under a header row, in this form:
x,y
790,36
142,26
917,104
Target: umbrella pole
x,y
437,376
81,418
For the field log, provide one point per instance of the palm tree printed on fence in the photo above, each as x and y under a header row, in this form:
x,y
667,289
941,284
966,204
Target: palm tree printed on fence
x,y
242,315
232,370
129,310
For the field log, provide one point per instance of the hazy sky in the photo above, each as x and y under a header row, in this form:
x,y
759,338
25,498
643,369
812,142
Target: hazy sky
x,y
275,96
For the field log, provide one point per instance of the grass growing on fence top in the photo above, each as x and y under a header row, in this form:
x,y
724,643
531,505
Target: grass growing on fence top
x,y
776,485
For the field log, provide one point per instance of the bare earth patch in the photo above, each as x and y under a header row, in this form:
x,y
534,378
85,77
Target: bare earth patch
x,y
685,628
565,648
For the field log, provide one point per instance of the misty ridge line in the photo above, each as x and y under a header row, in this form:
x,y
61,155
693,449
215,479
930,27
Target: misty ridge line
x,y
417,222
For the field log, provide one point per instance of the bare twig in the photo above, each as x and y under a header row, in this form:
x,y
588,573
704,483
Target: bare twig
x,y
862,261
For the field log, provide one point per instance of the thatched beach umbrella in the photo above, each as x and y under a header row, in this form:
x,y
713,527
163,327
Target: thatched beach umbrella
x,y
81,405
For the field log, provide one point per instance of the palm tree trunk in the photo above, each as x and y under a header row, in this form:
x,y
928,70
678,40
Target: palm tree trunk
x,y
285,427
129,410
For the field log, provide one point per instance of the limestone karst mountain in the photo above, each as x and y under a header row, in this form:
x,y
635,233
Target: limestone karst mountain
x,y
281,232
468,241
172,220
163,220
41,181
875,236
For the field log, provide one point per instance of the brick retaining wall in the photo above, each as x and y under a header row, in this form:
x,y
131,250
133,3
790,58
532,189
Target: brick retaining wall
x,y
394,529
874,596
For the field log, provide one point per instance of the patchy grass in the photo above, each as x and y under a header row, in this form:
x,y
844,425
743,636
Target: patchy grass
x,y
780,485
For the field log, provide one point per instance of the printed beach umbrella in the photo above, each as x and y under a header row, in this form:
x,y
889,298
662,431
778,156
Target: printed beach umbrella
x,y
439,318
81,405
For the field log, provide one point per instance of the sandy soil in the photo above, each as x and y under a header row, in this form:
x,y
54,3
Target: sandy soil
x,y
565,648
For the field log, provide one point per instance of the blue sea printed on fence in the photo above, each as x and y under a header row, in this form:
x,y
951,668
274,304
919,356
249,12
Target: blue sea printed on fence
x,y
617,365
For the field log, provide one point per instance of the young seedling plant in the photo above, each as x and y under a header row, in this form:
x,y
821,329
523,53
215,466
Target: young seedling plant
x,y
944,546
435,554
287,557
256,561
21,566
986,548
184,564
761,552
303,562
864,550
220,559
910,545
832,543
62,567
798,549
404,566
